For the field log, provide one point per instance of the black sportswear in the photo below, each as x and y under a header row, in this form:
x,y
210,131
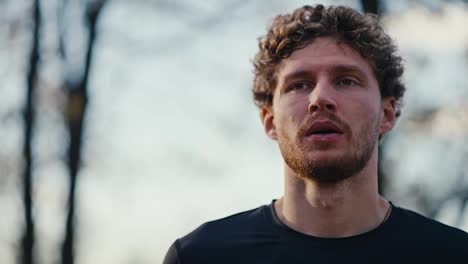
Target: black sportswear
x,y
258,236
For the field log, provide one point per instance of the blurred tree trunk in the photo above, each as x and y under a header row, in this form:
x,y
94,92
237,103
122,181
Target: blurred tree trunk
x,y
75,114
27,243
371,6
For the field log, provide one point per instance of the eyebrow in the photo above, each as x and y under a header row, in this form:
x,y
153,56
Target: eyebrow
x,y
335,69
348,68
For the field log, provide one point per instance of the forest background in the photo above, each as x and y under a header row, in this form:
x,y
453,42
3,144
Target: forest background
x,y
126,124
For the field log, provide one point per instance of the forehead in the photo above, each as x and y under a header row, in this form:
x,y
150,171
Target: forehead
x,y
323,54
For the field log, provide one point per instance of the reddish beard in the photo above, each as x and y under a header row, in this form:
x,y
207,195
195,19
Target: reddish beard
x,y
355,155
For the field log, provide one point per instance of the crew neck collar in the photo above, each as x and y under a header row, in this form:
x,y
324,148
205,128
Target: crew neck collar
x,y
286,230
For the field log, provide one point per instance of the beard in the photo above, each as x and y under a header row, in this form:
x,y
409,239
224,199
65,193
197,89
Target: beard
x,y
305,160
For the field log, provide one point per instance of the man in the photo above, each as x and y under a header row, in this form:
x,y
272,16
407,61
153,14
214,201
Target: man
x,y
328,83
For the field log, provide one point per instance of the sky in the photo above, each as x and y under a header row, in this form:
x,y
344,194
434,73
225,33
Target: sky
x,y
173,138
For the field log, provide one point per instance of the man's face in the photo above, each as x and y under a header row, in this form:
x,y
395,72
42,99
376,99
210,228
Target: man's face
x,y
327,111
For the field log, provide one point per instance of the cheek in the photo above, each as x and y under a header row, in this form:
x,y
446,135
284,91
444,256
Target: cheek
x,y
372,120
289,115
294,110
363,114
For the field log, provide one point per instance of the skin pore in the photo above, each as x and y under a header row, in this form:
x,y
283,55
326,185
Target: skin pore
x,y
330,182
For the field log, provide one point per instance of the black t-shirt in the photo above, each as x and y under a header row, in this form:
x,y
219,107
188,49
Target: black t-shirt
x,y
258,236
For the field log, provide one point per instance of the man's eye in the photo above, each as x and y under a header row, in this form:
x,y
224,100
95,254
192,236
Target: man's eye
x,y
298,86
346,82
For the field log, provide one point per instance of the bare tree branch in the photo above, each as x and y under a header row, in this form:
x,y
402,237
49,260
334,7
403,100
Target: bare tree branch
x,y
75,114
27,256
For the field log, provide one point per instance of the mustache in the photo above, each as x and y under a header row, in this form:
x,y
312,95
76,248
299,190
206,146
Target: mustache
x,y
322,116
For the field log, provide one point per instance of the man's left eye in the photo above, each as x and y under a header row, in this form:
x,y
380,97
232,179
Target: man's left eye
x,y
346,82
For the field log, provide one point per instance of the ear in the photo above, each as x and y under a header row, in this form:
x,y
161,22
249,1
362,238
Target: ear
x,y
388,115
268,122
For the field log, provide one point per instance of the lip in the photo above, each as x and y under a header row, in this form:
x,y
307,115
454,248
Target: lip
x,y
323,125
334,136
330,137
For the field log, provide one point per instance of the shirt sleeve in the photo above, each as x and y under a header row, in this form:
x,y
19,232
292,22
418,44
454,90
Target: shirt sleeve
x,y
171,256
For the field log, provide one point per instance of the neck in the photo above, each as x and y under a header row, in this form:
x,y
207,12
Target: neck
x,y
342,209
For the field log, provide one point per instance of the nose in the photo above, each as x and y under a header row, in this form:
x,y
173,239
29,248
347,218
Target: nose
x,y
322,98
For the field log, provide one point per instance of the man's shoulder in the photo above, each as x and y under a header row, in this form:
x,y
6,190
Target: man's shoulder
x,y
230,228
227,236
432,231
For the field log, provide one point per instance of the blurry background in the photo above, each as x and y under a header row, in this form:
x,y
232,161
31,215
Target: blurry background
x,y
126,124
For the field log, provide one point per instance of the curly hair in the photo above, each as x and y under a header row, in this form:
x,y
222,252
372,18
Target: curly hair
x,y
361,32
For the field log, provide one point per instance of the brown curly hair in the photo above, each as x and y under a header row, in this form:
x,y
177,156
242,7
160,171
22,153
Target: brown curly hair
x,y
361,32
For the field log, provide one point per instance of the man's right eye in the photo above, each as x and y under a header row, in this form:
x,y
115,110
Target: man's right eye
x,y
298,86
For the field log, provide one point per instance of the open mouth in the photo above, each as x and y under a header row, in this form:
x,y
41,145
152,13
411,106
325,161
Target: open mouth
x,y
324,132
323,128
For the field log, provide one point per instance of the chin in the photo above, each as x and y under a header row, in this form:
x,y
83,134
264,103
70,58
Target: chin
x,y
325,157
329,167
